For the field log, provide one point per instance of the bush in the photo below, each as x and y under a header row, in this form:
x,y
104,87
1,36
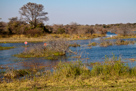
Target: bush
x,y
111,68
71,70
34,32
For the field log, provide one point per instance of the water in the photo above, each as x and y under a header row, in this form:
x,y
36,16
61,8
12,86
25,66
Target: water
x,y
94,54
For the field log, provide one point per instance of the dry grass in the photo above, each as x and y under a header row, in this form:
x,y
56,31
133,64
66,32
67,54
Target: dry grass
x,y
122,37
23,38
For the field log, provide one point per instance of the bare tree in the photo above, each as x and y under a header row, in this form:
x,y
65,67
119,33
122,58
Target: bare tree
x,y
33,13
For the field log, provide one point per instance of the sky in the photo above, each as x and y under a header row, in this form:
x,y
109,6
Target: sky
x,y
80,11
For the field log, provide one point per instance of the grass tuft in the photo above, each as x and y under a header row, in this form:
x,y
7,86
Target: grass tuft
x,y
6,48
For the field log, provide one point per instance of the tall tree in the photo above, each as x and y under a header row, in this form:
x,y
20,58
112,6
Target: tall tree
x,y
33,13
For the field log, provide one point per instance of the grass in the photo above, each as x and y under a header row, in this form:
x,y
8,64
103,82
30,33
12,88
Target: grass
x,y
106,43
6,48
23,38
111,75
122,42
122,37
16,73
43,52
92,44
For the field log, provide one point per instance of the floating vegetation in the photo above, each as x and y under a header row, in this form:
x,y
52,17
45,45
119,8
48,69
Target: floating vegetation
x,y
122,42
6,48
132,59
106,44
92,44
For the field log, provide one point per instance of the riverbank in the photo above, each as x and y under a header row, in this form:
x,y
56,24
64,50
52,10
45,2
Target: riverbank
x,y
121,37
23,38
75,76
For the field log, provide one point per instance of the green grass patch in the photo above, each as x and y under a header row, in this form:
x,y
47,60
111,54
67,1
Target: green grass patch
x,y
6,48
51,55
92,44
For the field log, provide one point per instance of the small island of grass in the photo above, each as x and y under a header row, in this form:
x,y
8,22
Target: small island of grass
x,y
5,48
53,50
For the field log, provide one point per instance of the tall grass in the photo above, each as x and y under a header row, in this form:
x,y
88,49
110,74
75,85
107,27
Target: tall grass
x,y
71,69
112,67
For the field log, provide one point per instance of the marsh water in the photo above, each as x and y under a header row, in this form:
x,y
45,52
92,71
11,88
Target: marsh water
x,y
93,54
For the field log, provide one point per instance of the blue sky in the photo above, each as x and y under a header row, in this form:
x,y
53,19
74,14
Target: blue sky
x,y
80,11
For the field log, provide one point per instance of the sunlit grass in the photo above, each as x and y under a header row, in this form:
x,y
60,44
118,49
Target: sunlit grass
x,y
23,38
112,74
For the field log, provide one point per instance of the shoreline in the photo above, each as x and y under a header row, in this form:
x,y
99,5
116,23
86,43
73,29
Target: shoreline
x,y
21,39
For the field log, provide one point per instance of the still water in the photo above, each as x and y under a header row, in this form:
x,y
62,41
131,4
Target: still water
x,y
94,54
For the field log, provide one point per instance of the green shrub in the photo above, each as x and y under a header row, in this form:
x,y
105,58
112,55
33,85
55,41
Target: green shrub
x,y
111,68
71,70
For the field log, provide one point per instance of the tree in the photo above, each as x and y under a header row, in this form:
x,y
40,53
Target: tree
x,y
16,26
33,13
2,27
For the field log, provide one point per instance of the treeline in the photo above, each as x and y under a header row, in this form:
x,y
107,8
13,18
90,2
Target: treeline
x,y
15,26
18,27
121,29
